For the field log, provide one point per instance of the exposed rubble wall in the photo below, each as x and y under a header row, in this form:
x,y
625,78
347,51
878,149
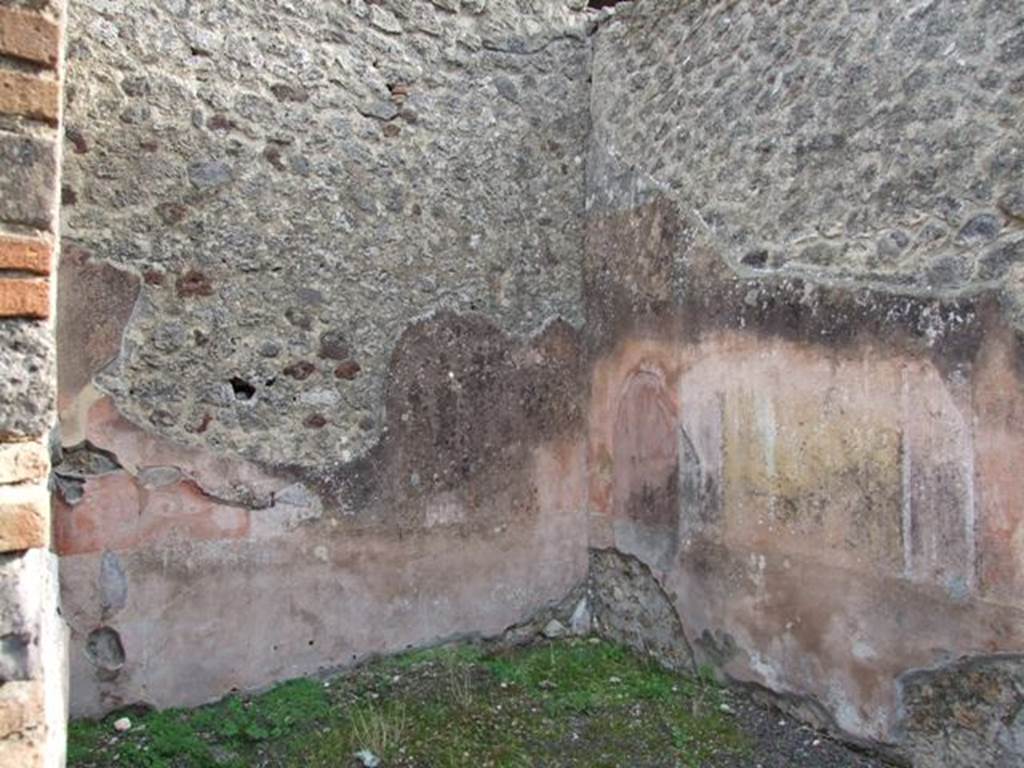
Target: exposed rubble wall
x,y
33,668
802,291
291,186
376,316
320,367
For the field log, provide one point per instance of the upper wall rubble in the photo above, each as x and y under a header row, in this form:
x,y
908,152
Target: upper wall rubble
x,y
804,284
293,187
868,144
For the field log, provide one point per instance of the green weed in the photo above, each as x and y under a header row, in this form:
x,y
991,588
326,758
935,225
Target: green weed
x,y
572,703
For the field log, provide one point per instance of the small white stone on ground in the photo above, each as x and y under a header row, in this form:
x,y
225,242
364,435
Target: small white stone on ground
x,y
367,758
122,724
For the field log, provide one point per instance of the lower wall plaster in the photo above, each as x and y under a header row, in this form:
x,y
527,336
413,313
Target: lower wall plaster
x,y
800,469
187,575
821,508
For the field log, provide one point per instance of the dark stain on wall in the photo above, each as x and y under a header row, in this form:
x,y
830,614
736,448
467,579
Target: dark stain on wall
x,y
677,287
465,405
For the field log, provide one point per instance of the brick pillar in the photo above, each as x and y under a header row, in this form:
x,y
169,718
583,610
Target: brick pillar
x,y
33,675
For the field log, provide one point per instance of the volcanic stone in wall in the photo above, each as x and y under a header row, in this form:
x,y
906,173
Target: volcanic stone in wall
x,y
631,607
983,697
296,189
26,373
874,142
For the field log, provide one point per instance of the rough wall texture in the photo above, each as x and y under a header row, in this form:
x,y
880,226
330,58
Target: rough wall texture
x,y
320,373
802,293
631,607
295,184
33,671
367,337
876,143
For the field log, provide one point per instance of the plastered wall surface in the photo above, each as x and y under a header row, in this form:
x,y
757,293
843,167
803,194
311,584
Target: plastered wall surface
x,y
320,379
802,297
379,316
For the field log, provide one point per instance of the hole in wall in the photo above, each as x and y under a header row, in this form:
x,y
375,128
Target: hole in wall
x,y
757,258
598,4
243,389
17,649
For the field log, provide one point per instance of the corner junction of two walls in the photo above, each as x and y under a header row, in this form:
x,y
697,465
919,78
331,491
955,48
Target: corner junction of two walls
x,y
384,323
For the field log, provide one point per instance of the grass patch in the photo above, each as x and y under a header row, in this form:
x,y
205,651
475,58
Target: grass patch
x,y
568,703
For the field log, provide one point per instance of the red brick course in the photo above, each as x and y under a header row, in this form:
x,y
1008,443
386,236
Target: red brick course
x,y
24,297
26,254
30,96
29,36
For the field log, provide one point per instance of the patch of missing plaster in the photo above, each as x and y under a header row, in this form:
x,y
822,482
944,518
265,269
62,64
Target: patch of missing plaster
x,y
719,647
79,462
570,616
240,495
289,508
18,656
158,477
630,606
71,490
113,584
86,460
105,650
969,712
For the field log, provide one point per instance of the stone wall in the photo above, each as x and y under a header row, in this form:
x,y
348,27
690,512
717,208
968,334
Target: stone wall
x,y
873,144
375,316
320,381
33,673
314,182
803,291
